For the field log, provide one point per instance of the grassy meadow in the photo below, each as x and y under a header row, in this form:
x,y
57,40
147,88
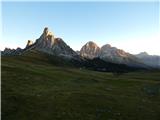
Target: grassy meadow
x,y
35,88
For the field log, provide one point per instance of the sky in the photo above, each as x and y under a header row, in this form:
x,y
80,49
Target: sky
x,y
131,26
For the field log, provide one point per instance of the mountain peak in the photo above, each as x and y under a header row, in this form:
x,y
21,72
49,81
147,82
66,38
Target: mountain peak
x,y
46,40
46,32
107,45
92,44
51,45
29,43
90,50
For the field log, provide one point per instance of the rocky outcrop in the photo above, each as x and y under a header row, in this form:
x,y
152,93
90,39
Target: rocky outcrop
x,y
90,50
29,43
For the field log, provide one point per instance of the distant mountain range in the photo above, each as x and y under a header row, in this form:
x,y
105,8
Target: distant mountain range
x,y
151,60
90,55
110,54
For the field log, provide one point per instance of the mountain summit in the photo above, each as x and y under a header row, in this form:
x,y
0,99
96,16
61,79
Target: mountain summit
x,y
55,46
90,50
46,40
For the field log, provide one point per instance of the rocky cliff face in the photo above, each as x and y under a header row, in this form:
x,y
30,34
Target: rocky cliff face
x,y
54,46
46,40
90,50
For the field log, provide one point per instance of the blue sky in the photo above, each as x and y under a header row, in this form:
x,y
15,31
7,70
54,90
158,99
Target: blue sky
x,y
132,26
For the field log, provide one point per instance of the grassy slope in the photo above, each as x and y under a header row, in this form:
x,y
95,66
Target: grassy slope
x,y
35,89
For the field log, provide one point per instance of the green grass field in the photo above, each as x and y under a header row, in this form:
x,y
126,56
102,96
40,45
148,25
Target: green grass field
x,y
34,88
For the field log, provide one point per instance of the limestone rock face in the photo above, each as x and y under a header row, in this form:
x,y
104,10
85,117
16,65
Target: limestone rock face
x,y
90,50
46,40
51,45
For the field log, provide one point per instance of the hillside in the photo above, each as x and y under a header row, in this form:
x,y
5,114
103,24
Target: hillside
x,y
37,86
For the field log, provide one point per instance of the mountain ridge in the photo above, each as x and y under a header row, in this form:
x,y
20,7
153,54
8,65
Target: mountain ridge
x,y
51,45
151,60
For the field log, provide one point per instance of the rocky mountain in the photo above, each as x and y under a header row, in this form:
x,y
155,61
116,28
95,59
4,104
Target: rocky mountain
x,y
109,54
90,50
46,43
54,46
151,60
49,44
115,55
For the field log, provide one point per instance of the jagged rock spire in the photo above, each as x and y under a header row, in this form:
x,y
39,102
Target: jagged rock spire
x,y
46,40
49,44
29,43
45,31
